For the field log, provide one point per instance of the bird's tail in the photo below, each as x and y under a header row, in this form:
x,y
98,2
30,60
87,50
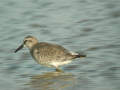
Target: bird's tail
x,y
78,55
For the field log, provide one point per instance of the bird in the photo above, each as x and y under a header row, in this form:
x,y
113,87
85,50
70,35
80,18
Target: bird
x,y
48,54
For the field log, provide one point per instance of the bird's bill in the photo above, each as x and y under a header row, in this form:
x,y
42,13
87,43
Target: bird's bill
x,y
20,47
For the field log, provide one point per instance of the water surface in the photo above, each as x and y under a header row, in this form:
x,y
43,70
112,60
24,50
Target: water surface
x,y
87,26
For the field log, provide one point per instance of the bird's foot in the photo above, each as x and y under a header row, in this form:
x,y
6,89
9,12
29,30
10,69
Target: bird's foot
x,y
58,70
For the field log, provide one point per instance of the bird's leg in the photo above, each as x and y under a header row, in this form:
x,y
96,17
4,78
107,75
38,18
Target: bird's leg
x,y
58,70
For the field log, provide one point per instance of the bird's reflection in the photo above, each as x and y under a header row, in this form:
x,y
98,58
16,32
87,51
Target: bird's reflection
x,y
52,81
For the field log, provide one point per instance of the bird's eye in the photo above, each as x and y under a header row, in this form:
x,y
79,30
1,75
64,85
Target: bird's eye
x,y
25,41
30,40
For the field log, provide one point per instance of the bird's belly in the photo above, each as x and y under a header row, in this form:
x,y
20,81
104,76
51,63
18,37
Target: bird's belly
x,y
43,62
50,61
56,64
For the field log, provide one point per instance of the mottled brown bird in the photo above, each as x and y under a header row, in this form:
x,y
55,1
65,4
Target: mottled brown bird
x,y
51,55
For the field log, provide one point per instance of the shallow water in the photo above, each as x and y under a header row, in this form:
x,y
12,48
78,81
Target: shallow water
x,y
87,26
